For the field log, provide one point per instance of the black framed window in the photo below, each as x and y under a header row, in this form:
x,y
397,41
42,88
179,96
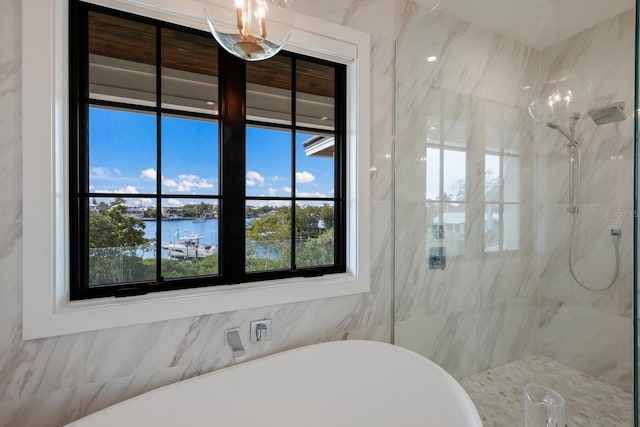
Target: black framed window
x,y
190,167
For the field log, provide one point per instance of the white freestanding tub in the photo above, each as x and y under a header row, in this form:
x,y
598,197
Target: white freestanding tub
x,y
342,383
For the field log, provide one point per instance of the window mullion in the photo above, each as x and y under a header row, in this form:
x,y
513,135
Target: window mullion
x,y
294,114
159,277
232,87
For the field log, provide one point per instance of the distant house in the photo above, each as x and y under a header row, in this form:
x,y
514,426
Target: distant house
x,y
136,211
172,212
320,146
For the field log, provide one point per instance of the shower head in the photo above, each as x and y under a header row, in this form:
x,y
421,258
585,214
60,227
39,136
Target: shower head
x,y
608,114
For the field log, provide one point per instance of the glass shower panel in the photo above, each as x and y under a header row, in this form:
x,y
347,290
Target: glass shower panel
x,y
486,121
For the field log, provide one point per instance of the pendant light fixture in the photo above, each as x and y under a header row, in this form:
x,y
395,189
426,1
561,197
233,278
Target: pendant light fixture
x,y
250,29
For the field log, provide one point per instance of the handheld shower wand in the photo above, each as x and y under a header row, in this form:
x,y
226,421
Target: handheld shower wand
x,y
600,116
573,164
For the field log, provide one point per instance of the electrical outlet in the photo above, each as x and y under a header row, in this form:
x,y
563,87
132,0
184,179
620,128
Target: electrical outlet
x,y
260,329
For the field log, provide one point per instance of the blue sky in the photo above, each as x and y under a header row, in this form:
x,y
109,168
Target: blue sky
x,y
123,158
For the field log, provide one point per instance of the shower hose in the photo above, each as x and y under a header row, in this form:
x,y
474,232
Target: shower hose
x,y
616,237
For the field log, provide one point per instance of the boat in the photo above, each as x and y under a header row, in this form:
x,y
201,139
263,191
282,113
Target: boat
x,y
200,218
189,247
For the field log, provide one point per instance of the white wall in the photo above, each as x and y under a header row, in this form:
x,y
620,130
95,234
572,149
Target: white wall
x,y
50,382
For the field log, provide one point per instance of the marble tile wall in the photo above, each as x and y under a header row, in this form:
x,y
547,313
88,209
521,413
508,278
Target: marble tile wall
x,y
50,382
591,331
481,311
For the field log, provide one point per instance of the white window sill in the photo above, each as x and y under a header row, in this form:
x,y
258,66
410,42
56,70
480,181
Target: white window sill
x,y
47,310
102,313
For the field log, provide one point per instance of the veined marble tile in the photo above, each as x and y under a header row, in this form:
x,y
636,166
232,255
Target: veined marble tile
x,y
11,297
53,409
98,396
595,342
448,339
470,60
507,332
36,367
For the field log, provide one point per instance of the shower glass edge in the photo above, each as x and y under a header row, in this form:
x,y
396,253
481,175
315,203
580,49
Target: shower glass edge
x,y
636,340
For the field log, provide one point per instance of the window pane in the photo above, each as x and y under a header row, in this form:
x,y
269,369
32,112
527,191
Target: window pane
x,y
492,178
189,156
315,165
122,59
511,179
268,236
119,249
269,90
112,133
189,72
455,174
492,228
454,222
189,237
268,167
315,95
315,244
511,227
433,174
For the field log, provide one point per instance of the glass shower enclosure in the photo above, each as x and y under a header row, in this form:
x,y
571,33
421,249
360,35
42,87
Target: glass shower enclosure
x,y
514,201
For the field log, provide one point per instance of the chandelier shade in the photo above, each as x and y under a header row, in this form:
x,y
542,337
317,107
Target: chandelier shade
x,y
250,29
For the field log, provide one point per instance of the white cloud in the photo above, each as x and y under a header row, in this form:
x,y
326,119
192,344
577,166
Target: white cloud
x,y
272,191
174,203
129,189
103,173
304,177
275,178
186,182
287,190
149,174
305,194
254,178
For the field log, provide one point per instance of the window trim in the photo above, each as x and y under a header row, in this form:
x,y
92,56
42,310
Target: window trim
x,y
47,310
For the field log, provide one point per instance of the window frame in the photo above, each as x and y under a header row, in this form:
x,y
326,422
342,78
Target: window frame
x,y
47,308
231,197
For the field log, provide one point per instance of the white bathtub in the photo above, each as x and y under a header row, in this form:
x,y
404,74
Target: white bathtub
x,y
342,383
